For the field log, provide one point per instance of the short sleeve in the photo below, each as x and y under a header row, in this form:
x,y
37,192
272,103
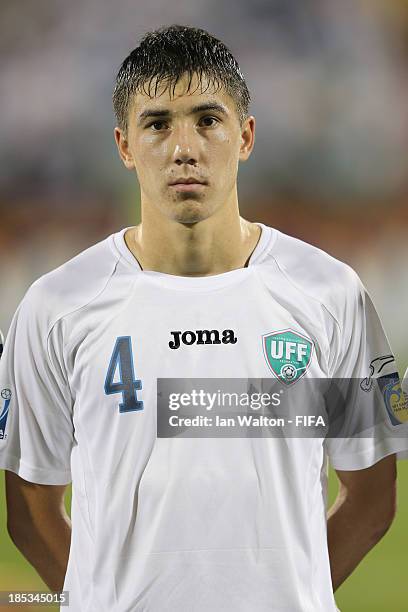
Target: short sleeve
x,y
405,382
363,360
36,426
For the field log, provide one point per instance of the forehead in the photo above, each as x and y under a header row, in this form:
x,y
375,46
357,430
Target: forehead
x,y
181,97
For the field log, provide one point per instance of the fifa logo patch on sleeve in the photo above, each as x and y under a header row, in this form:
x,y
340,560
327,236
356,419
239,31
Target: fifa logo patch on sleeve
x,y
377,365
396,401
288,354
4,410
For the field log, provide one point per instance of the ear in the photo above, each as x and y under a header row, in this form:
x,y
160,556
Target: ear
x,y
247,138
123,148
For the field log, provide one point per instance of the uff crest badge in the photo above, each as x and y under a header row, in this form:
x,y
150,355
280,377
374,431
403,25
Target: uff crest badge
x,y
288,354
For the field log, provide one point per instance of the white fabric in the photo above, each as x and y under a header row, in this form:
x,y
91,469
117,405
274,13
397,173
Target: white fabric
x,y
186,525
405,381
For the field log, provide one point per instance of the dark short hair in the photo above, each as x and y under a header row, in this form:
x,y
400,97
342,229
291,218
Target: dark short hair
x,y
164,55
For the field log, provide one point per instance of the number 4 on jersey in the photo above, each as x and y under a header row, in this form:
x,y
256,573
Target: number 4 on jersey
x,y
127,385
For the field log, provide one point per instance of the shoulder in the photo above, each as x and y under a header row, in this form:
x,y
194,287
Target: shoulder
x,y
310,266
72,285
315,273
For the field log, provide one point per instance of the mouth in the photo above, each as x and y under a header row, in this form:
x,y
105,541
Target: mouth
x,y
187,186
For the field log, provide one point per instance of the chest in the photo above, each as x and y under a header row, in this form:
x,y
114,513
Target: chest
x,y
118,348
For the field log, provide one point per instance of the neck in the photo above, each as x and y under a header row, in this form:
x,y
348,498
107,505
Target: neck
x,y
221,243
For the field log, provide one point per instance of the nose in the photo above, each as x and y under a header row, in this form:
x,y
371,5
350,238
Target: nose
x,y
185,147
185,158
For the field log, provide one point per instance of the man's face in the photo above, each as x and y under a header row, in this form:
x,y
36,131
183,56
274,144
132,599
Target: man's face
x,y
186,136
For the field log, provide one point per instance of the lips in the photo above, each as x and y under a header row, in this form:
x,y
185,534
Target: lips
x,y
187,181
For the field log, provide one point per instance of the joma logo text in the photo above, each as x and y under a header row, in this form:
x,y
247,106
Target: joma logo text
x,y
202,336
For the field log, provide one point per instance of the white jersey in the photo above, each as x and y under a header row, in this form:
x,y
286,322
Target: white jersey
x,y
181,524
405,382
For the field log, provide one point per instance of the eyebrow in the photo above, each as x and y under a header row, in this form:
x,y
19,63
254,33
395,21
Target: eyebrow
x,y
165,112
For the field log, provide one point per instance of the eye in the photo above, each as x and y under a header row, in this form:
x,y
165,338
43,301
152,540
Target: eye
x,y
208,118
158,125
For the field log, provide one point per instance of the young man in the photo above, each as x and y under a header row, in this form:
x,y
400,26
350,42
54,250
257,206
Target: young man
x,y
195,291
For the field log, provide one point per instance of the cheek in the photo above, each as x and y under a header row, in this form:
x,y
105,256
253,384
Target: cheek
x,y
223,152
219,140
150,147
148,142
227,142
150,155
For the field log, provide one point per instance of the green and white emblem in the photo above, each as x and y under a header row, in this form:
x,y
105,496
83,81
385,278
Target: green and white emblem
x,y
288,354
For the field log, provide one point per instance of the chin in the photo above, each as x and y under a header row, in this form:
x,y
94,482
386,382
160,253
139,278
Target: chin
x,y
189,212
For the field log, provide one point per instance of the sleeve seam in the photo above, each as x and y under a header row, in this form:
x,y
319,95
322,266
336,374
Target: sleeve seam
x,y
78,308
372,451
296,286
46,471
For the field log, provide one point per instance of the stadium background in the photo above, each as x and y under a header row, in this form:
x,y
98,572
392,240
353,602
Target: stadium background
x,y
329,82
